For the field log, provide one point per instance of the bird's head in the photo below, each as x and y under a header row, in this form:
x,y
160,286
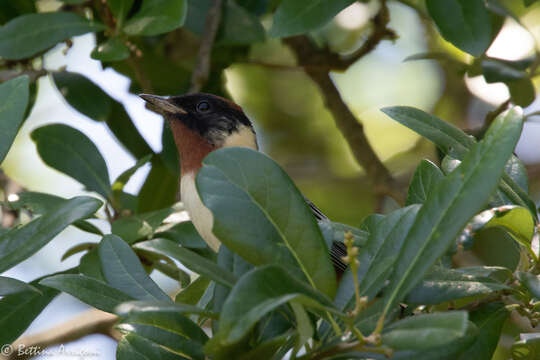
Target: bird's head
x,y
202,123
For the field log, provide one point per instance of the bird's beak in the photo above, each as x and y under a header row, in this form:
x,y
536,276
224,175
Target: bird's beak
x,y
162,104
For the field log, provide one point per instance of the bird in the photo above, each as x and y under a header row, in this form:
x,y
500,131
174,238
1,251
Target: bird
x,y
201,123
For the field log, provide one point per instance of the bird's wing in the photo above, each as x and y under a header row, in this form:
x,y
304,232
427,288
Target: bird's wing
x,y
338,249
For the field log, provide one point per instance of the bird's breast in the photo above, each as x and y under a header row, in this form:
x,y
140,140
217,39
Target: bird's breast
x,y
200,215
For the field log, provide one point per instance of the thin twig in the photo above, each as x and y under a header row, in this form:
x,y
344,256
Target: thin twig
x,y
317,63
32,74
91,322
201,70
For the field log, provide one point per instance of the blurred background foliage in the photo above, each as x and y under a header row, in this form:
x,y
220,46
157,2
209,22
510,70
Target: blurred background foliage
x,y
260,73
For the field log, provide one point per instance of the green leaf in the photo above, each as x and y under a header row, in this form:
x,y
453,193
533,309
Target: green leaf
x,y
89,290
20,243
12,9
294,17
259,292
90,265
70,151
83,95
498,70
189,259
443,284
527,348
139,227
455,143
185,235
464,23
41,203
120,9
77,249
170,329
377,258
531,282
135,347
193,293
157,17
28,35
123,178
113,49
260,215
426,331
123,270
239,27
14,99
136,307
10,286
489,319
335,232
522,91
453,202
424,179
529,2
159,189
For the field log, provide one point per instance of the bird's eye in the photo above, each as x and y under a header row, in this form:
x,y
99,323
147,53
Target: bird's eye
x,y
203,106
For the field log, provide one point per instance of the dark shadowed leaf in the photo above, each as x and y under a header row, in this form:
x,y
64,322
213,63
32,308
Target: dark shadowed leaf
x,y
12,9
260,215
70,151
259,292
464,23
157,17
124,177
159,189
123,270
120,9
9,286
77,249
239,27
169,329
87,289
113,49
489,319
30,34
453,202
294,17
443,284
497,70
83,95
189,259
426,331
522,91
426,176
14,99
20,243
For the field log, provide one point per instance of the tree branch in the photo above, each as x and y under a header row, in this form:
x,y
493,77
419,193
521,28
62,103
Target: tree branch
x,y
317,63
91,322
202,67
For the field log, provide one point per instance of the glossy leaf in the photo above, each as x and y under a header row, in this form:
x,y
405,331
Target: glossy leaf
x,y
294,17
83,95
14,99
157,17
455,143
453,202
426,331
135,347
260,215
87,289
123,270
70,151
41,203
113,49
136,307
259,292
189,259
464,23
424,179
489,319
28,35
443,284
170,329
10,286
20,243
